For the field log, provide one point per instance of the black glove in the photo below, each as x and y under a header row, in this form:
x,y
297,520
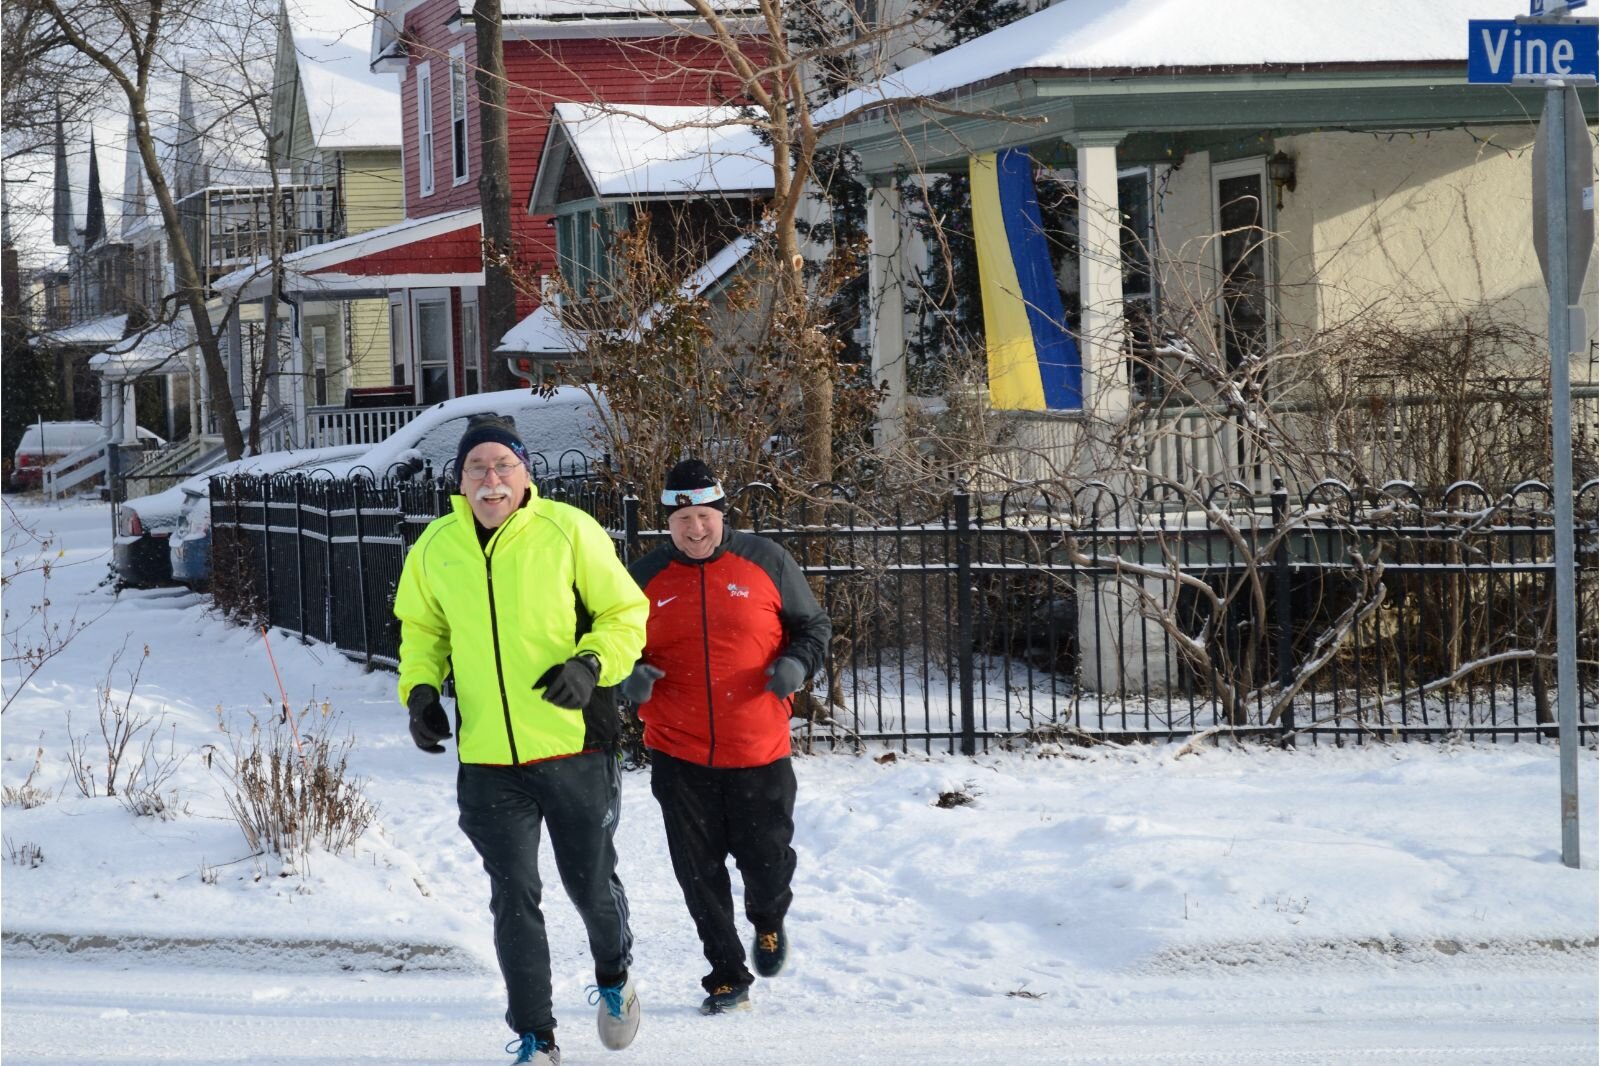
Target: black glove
x,y
637,686
787,676
570,684
429,723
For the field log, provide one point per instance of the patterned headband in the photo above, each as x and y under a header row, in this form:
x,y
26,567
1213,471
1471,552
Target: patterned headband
x,y
700,497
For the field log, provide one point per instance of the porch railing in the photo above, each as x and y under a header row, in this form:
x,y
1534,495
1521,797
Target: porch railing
x,y
1185,445
332,426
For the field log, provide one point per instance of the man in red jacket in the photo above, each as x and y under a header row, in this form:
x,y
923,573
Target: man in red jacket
x,y
734,632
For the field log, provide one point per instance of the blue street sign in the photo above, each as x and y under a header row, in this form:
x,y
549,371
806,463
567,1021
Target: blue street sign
x,y
1504,50
1541,8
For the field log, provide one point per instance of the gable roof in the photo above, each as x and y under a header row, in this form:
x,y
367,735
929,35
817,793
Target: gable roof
x,y
348,105
1153,36
647,151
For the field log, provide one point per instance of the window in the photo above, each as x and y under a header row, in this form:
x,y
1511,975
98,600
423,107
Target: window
x,y
458,113
425,129
398,359
319,364
1135,204
583,246
471,357
434,347
1243,266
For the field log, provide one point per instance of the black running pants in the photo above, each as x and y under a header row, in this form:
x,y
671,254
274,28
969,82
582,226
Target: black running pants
x,y
746,812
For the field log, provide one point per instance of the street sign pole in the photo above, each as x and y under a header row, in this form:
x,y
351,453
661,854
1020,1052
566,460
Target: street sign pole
x,y
1547,48
1558,270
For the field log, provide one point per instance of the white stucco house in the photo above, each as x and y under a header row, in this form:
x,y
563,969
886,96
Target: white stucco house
x,y
1247,177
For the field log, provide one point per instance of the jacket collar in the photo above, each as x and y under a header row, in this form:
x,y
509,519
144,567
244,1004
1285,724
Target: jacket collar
x,y
462,509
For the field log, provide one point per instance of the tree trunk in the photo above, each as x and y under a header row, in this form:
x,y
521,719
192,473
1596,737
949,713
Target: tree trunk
x,y
191,289
494,191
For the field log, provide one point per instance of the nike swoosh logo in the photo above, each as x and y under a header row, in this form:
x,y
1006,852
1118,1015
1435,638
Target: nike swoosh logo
x,y
663,603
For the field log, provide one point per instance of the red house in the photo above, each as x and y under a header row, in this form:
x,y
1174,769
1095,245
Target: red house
x,y
585,51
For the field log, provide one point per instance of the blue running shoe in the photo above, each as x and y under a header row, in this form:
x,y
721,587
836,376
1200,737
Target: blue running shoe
x,y
618,1014
530,1049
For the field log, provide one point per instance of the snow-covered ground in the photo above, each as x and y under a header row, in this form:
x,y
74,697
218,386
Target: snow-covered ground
x,y
1384,904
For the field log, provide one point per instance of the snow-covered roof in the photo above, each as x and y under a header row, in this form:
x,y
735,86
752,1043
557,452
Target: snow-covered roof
x,y
348,105
1135,35
542,333
630,151
715,269
98,331
298,266
149,351
586,8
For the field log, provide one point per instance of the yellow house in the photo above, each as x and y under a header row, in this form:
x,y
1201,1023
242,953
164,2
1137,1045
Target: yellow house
x,y
335,128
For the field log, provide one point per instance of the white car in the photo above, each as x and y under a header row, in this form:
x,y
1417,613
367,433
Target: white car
x,y
560,431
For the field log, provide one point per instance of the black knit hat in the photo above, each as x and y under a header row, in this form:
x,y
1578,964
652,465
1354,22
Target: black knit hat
x,y
692,484
488,429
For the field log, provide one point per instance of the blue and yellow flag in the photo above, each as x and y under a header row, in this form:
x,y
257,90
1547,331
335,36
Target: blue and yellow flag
x,y
1034,364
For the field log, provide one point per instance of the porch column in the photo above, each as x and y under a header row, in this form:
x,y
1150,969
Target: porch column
x,y
296,375
108,413
114,413
1105,384
130,413
887,299
235,383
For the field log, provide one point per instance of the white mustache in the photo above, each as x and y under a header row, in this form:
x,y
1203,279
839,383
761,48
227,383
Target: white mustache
x,y
490,490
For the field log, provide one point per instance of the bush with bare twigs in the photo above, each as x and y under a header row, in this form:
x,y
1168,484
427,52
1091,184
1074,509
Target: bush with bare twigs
x,y
26,795
290,794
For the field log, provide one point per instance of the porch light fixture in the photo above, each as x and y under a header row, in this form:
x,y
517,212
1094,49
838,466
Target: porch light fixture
x,y
1280,168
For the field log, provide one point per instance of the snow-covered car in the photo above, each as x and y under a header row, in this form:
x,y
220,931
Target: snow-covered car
x,y
45,442
559,430
141,550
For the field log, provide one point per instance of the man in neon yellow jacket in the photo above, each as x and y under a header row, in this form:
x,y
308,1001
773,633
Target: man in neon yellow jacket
x,y
524,601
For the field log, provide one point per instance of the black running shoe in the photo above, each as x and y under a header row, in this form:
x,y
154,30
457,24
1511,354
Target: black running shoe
x,y
770,951
725,998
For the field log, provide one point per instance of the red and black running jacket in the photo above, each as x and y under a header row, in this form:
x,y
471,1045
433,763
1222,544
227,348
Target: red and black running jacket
x,y
715,626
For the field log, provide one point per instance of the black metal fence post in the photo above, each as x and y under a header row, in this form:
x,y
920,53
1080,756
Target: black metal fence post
x,y
266,547
326,492
963,517
361,577
1281,602
630,526
300,555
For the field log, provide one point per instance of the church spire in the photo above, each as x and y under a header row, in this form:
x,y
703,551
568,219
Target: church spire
x,y
94,219
62,212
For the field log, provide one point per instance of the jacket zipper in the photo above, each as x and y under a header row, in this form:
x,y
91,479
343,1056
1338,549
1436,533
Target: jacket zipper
x,y
499,667
705,642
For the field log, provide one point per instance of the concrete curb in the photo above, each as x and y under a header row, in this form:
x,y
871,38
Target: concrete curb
x,y
306,954
1561,951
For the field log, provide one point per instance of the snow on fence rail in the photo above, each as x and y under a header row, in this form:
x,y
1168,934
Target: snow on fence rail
x,y
1340,615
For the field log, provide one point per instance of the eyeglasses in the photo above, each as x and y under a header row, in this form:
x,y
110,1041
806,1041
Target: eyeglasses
x,y
502,470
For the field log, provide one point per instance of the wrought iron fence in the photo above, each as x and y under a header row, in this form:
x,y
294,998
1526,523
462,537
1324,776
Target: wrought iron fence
x,y
1031,617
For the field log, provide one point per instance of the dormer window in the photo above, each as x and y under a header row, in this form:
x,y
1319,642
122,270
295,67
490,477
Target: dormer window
x,y
584,236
